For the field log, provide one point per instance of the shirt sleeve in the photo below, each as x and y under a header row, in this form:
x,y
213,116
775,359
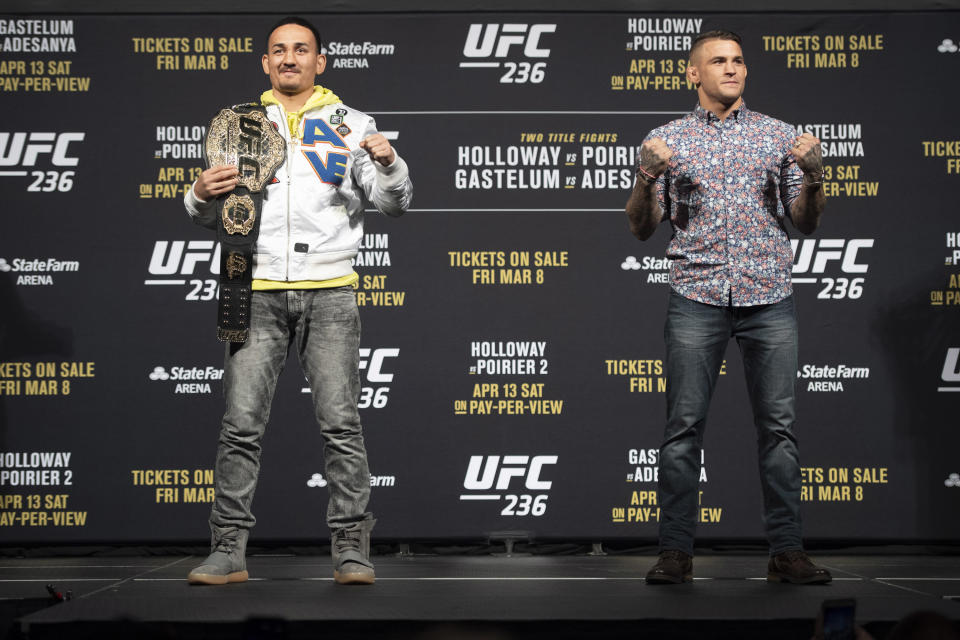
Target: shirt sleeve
x,y
388,188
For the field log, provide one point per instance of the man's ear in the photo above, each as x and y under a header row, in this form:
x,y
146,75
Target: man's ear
x,y
693,74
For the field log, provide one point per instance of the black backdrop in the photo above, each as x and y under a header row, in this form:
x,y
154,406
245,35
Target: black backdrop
x,y
513,280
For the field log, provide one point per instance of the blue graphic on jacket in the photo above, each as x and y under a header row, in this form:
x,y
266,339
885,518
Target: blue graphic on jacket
x,y
329,166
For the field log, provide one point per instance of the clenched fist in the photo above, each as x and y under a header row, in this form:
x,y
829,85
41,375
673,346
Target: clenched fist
x,y
655,156
806,149
216,181
379,149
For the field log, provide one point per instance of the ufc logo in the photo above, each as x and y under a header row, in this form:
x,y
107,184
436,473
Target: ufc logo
x,y
493,39
250,133
483,470
24,149
813,256
374,363
951,372
183,257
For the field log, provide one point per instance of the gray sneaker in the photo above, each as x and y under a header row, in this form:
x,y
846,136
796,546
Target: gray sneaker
x,y
350,551
227,562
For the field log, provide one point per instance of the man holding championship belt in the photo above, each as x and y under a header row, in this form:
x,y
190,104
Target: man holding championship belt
x,y
287,281
727,179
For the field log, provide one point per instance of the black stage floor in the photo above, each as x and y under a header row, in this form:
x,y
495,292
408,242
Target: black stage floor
x,y
542,596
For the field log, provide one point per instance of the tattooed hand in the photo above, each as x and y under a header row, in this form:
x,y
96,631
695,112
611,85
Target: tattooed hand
x,y
655,156
806,149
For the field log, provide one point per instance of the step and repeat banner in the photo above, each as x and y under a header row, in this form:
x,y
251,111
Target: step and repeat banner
x,y
512,354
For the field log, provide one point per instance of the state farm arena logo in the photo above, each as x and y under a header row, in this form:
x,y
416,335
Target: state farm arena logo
x,y
657,269
830,378
191,264
950,375
317,481
355,55
50,152
37,271
376,373
948,46
516,47
188,380
837,266
520,481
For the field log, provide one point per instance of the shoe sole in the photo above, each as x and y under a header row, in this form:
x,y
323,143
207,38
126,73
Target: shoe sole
x,y
777,577
353,578
209,578
668,580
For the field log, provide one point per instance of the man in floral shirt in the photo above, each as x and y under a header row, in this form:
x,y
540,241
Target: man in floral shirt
x,y
727,179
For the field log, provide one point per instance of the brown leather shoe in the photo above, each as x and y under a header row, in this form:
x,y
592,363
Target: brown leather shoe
x,y
673,567
796,567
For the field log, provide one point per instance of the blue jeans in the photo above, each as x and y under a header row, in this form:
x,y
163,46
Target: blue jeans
x,y
697,335
323,325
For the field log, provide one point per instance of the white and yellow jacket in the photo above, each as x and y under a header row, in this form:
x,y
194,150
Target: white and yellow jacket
x,y
312,219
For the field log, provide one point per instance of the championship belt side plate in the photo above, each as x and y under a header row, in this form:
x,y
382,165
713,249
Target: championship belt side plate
x,y
244,137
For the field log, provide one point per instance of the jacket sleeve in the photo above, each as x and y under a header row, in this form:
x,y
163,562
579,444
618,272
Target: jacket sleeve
x,y
388,188
202,212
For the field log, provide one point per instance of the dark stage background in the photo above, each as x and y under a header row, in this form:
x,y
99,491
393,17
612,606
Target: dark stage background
x,y
512,350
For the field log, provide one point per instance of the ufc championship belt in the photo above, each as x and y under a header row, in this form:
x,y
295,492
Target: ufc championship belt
x,y
242,136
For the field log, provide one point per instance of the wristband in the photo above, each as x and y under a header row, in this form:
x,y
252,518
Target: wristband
x,y
649,179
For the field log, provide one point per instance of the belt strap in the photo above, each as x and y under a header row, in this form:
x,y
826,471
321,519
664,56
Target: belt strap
x,y
241,135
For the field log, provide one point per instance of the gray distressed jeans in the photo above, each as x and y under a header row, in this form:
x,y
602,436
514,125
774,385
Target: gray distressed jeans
x,y
323,325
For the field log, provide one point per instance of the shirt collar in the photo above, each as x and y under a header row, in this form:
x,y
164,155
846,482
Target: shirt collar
x,y
739,114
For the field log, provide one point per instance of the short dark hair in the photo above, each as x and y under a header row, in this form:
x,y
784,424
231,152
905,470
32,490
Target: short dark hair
x,y
297,21
716,34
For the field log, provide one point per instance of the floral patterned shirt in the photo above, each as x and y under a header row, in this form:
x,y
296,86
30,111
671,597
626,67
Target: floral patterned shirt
x,y
729,186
